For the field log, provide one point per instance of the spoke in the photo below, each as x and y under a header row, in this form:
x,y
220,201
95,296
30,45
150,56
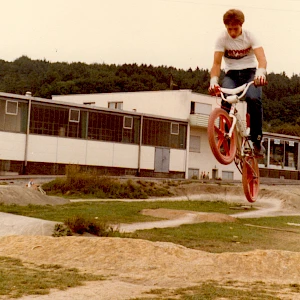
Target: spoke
x,y
226,146
219,132
220,135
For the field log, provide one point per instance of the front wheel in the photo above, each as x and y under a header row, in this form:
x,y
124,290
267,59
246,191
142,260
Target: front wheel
x,y
223,147
250,178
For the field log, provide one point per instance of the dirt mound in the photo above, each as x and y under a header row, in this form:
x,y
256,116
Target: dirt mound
x,y
208,191
22,195
288,195
146,264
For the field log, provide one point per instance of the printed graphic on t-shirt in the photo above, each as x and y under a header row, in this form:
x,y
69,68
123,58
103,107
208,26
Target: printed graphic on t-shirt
x,y
237,54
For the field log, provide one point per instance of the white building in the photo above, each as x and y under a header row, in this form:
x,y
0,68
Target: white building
x,y
159,134
194,109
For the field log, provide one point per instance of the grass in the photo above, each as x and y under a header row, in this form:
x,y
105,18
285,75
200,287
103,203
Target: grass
x,y
113,211
211,237
230,237
17,279
213,290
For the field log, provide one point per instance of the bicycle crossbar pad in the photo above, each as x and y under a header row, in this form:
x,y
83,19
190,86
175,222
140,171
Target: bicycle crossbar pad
x,y
235,90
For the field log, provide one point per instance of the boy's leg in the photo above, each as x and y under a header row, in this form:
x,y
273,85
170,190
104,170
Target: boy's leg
x,y
255,109
227,83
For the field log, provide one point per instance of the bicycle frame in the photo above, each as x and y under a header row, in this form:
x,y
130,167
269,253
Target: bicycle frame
x,y
237,123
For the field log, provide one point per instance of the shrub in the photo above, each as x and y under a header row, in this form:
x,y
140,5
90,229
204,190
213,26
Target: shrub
x,y
61,230
84,183
80,225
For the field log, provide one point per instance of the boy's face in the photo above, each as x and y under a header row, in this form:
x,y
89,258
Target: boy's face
x,y
234,30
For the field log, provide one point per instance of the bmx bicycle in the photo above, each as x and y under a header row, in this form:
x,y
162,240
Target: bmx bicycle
x,y
229,140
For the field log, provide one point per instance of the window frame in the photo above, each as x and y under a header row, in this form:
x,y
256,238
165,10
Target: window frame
x,y
17,107
115,105
173,124
124,122
70,113
201,108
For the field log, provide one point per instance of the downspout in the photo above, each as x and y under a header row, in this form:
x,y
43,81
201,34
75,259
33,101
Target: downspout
x,y
140,146
187,151
28,94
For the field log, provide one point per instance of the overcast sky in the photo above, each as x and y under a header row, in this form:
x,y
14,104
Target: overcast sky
x,y
177,33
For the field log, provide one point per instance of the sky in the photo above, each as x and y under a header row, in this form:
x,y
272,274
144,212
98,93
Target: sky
x,y
172,33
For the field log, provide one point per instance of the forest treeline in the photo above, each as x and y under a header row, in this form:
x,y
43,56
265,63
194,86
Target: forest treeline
x,y
281,99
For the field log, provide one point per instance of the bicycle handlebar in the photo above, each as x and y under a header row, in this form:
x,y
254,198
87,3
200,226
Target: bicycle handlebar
x,y
233,97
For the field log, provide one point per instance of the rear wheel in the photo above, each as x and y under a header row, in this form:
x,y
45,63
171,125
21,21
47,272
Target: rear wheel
x,y
250,178
223,147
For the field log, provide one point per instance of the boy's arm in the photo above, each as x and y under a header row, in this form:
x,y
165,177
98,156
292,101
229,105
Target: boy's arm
x,y
260,77
215,72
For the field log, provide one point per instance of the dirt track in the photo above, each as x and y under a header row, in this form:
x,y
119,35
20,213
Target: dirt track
x,y
134,266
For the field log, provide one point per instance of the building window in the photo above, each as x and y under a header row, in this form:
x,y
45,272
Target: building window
x,y
113,127
200,108
127,123
115,105
291,154
227,175
13,116
277,152
158,133
195,143
105,127
57,121
74,115
175,128
11,107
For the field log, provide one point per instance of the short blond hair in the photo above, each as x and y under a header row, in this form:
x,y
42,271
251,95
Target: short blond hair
x,y
234,17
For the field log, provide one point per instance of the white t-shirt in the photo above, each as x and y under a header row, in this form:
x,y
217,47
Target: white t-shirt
x,y
238,52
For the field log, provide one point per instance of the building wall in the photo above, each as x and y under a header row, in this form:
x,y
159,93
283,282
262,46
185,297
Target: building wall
x,y
205,160
12,146
94,153
171,104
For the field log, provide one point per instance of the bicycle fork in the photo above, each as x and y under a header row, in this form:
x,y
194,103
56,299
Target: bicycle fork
x,y
242,137
232,115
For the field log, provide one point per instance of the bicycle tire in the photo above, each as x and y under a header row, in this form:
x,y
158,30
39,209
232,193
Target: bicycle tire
x,y
223,148
250,178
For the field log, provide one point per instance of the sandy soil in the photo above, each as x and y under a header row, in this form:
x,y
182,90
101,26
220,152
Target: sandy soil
x,y
133,267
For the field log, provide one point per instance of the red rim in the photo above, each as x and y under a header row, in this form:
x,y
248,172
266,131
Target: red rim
x,y
251,178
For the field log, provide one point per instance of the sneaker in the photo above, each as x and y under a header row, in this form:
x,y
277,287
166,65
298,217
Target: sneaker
x,y
259,151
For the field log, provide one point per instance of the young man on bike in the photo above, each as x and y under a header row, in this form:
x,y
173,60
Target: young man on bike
x,y
244,61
